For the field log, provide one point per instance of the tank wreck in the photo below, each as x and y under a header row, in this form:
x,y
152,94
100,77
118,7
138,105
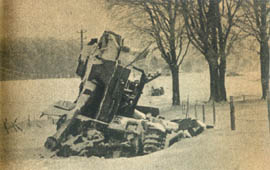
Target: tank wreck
x,y
105,120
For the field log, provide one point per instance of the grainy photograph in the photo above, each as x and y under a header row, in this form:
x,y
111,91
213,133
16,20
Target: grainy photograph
x,y
134,84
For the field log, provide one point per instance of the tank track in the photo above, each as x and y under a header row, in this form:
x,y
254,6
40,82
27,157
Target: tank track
x,y
85,144
153,141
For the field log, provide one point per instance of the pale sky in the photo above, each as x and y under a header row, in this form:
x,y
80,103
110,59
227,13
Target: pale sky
x,y
54,18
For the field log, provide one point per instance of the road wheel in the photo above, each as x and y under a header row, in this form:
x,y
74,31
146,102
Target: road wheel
x,y
153,141
51,143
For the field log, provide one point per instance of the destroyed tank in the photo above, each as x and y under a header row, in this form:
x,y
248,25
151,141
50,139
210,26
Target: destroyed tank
x,y
106,120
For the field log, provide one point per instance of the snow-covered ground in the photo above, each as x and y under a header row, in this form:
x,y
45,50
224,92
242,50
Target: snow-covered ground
x,y
20,99
247,148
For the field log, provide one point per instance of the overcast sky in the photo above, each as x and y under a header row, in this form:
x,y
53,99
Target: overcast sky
x,y
54,18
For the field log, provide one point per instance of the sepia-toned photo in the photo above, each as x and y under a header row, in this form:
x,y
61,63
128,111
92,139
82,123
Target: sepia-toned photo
x,y
134,84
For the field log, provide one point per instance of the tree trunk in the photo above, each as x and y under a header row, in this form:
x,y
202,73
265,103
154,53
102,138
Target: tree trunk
x,y
213,82
175,85
222,72
264,49
217,82
264,60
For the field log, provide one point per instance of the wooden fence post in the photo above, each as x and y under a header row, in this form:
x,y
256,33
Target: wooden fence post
x,y
214,113
232,113
183,107
203,113
29,123
6,126
187,107
195,109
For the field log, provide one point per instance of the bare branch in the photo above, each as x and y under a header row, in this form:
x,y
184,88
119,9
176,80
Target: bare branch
x,y
185,53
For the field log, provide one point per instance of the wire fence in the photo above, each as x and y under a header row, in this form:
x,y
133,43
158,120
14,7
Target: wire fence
x,y
206,112
245,98
16,125
248,108
252,116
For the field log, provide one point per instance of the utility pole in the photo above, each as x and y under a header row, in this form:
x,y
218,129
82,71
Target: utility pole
x,y
81,32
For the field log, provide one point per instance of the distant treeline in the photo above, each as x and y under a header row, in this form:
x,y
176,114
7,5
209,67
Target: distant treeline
x,y
34,58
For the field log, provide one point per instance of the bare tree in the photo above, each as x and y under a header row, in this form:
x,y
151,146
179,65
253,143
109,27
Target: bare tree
x,y
209,24
256,23
161,21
